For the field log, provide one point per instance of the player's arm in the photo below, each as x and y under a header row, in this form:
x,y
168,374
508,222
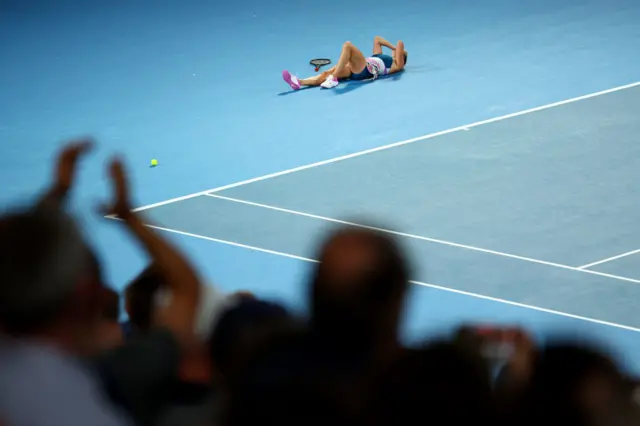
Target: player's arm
x,y
379,43
398,58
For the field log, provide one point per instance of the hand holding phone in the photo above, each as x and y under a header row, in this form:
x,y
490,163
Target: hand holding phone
x,y
498,343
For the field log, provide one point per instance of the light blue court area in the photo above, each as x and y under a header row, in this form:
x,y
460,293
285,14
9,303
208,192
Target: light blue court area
x,y
527,219
537,210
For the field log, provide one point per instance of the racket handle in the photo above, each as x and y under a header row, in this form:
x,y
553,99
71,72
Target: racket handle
x,y
317,69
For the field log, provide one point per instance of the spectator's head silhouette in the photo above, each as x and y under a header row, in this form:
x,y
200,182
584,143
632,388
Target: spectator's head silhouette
x,y
441,379
243,330
358,288
574,384
110,332
139,299
50,281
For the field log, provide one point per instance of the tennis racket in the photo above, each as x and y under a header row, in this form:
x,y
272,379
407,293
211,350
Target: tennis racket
x,y
319,63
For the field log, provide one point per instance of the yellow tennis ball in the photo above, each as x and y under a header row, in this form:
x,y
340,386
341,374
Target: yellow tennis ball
x,y
154,162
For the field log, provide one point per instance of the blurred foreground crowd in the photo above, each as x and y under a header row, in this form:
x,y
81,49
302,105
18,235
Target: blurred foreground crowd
x,y
191,355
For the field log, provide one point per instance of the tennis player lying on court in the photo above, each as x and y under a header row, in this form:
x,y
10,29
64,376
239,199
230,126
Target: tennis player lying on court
x,y
355,66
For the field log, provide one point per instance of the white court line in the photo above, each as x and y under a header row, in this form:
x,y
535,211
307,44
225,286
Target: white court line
x,y
437,287
418,237
389,146
609,259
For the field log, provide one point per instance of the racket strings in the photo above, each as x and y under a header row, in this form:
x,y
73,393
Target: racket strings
x,y
319,63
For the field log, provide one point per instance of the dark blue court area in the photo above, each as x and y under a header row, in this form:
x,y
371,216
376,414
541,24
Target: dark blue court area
x,y
505,158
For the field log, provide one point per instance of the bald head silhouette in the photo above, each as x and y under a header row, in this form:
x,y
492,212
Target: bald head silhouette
x,y
359,286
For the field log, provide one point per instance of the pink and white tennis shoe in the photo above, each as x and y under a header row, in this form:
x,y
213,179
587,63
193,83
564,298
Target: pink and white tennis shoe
x,y
291,80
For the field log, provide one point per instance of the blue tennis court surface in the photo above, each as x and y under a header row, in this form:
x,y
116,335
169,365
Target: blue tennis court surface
x,y
517,199
514,209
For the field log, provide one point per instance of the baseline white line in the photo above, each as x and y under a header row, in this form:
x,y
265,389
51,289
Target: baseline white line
x,y
418,237
423,284
389,146
609,259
